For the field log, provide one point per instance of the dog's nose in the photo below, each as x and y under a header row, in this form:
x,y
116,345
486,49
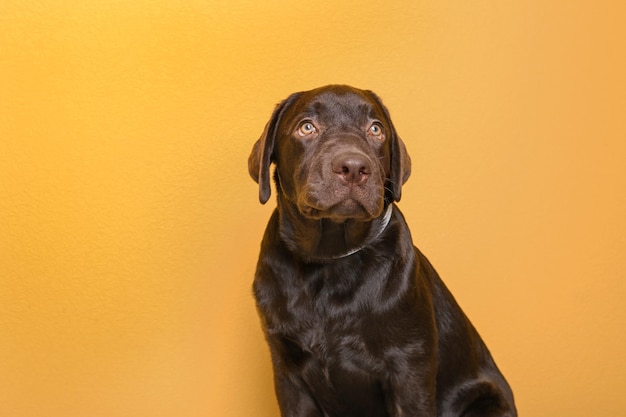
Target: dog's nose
x,y
352,168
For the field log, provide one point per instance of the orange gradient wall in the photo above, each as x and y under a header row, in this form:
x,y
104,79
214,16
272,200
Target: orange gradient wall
x,y
129,227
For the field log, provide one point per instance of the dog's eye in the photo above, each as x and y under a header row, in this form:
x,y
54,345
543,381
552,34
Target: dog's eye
x,y
306,129
376,130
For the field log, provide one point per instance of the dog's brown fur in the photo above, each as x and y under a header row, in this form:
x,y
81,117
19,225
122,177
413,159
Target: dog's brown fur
x,y
357,320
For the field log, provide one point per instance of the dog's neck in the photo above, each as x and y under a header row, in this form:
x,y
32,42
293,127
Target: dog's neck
x,y
326,239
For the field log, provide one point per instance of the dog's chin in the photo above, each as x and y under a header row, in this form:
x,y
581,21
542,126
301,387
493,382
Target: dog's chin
x,y
342,211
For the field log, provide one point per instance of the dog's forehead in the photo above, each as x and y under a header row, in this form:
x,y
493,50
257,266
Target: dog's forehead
x,y
336,105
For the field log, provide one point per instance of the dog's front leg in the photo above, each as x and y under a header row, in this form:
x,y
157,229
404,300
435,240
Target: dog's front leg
x,y
410,390
293,396
410,399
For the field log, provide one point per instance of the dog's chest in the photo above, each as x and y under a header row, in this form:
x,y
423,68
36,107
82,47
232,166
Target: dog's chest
x,y
327,323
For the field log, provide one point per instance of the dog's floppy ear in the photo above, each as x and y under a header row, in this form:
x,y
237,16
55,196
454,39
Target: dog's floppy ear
x,y
400,165
262,154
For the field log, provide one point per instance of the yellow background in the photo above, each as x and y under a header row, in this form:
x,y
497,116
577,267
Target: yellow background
x,y
129,227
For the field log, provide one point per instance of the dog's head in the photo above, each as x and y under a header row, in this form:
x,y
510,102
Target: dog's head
x,y
336,151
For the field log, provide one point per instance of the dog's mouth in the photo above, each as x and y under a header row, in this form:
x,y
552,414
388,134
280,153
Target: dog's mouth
x,y
344,209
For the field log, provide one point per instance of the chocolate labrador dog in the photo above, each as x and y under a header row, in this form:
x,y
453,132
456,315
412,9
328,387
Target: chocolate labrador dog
x,y
357,320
